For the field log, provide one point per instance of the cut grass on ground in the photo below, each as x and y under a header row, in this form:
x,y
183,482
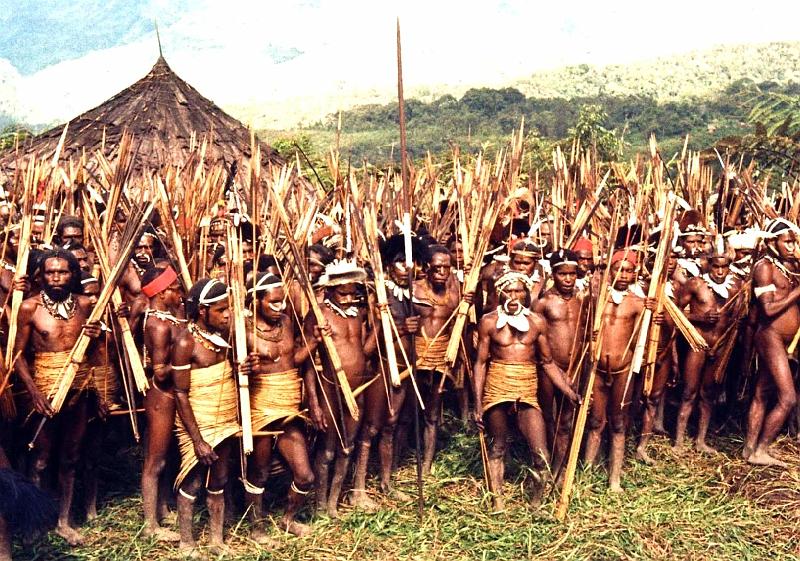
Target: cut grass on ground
x,y
688,506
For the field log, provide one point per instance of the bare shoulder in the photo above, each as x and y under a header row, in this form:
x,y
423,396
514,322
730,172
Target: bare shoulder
x,y
488,322
762,272
537,320
29,305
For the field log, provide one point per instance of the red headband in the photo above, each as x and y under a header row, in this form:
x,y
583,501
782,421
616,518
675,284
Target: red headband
x,y
160,283
583,244
626,254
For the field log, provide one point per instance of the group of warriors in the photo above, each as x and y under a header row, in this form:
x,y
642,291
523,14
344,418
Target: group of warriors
x,y
524,356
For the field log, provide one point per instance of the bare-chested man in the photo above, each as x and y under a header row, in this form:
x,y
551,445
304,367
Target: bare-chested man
x,y
523,259
275,397
511,341
354,344
776,285
706,296
161,328
381,414
49,324
565,314
612,391
436,298
207,403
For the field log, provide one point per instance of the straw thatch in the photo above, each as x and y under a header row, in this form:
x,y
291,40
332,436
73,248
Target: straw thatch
x,y
168,118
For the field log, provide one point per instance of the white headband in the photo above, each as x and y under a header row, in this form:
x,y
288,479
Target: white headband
x,y
202,300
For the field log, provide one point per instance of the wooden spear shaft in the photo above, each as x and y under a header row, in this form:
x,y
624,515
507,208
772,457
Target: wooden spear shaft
x,y
240,336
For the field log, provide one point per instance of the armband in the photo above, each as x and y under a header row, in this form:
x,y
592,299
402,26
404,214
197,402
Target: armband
x,y
183,367
759,290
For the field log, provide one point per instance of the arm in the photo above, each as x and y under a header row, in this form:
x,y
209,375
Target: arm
x,y
479,369
767,303
21,366
310,379
181,371
157,342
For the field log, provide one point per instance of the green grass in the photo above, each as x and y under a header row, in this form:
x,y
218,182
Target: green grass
x,y
687,507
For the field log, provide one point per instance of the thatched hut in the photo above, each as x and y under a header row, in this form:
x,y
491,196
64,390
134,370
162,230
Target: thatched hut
x,y
168,119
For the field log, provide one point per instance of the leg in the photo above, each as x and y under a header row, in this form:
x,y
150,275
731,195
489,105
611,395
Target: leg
x,y
74,425
565,416
257,474
774,355
692,374
341,465
375,412
160,412
5,541
652,404
431,415
546,400
758,408
292,446
187,494
618,404
532,426
94,440
326,452
386,445
597,419
497,429
215,498
708,394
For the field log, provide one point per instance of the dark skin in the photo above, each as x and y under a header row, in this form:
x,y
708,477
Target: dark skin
x,y
159,405
186,350
565,315
71,235
143,252
509,345
778,321
699,366
355,344
610,397
40,332
441,293
269,357
381,415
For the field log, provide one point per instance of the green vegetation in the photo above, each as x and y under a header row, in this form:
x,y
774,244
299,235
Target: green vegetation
x,y
485,117
689,506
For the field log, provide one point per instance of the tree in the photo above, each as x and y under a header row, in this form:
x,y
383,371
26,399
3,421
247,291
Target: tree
x,y
590,131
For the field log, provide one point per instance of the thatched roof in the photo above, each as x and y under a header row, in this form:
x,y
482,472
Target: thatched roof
x,y
161,111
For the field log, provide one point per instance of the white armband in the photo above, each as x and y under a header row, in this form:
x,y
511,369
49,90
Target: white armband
x,y
759,290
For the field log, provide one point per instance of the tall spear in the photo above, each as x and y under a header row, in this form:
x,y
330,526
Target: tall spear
x,y
407,206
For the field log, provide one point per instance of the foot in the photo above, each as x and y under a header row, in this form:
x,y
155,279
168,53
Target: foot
x,y
219,549
396,494
643,456
260,536
498,505
190,551
704,448
747,451
615,487
91,512
72,536
764,459
360,499
659,429
678,447
333,511
296,528
161,534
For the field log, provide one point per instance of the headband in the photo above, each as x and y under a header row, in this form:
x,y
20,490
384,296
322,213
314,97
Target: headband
x,y
205,300
160,283
562,257
88,280
512,276
583,244
264,283
626,254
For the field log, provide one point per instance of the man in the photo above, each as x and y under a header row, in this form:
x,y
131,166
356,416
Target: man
x,y
382,412
584,252
275,397
81,256
565,313
512,340
612,391
161,328
207,403
144,253
693,238
49,324
355,344
69,231
776,286
523,259
706,297
436,298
